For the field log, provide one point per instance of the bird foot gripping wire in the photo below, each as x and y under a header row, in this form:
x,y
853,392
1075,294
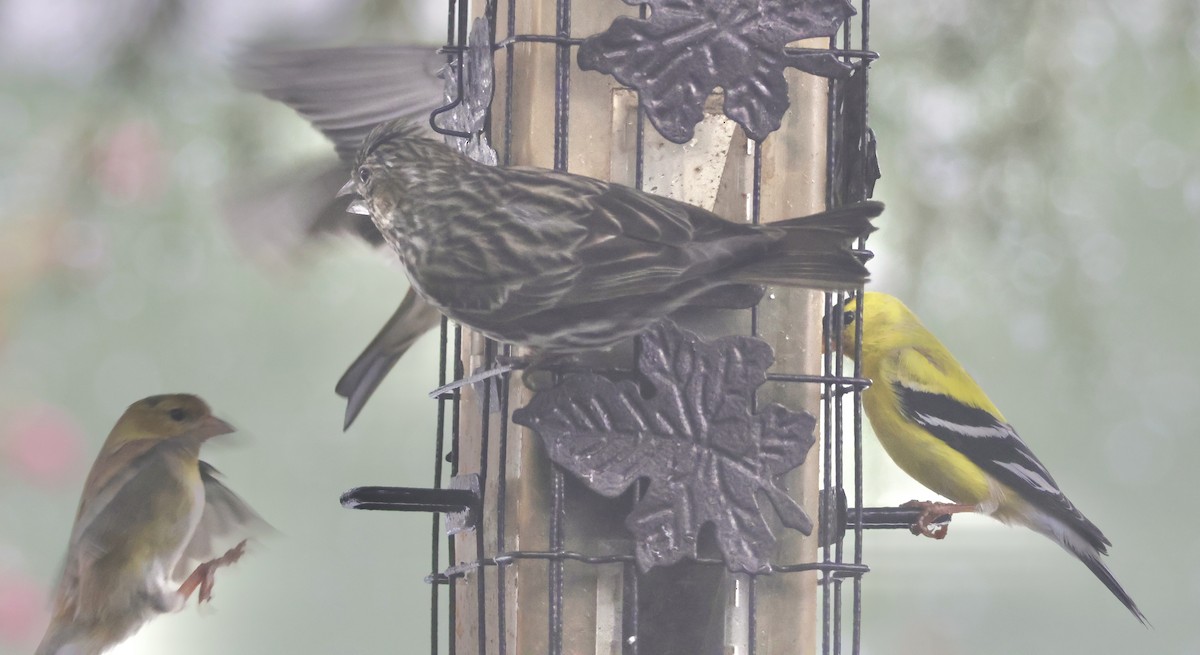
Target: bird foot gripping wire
x,y
205,574
535,375
447,390
933,521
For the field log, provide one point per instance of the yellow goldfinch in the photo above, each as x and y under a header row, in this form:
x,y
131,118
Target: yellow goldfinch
x,y
149,513
940,428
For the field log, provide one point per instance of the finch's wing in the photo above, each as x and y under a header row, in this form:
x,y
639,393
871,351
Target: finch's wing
x,y
980,435
226,520
543,241
108,476
642,243
344,92
274,219
111,516
593,241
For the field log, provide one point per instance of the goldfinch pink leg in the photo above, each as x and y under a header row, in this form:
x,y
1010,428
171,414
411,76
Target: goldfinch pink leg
x,y
204,575
925,524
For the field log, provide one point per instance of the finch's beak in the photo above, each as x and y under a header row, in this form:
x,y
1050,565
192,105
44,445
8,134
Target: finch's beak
x,y
358,206
211,426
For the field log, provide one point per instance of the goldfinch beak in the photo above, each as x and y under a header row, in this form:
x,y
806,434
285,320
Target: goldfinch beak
x,y
347,189
212,426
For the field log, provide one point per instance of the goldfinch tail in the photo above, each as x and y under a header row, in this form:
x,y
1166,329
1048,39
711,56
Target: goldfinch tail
x,y
57,638
1092,561
1081,538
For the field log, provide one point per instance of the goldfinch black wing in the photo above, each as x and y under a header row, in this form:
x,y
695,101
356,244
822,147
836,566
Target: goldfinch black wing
x,y
985,439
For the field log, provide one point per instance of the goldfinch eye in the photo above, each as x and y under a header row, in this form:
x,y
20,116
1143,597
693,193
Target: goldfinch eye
x,y
848,318
177,415
364,175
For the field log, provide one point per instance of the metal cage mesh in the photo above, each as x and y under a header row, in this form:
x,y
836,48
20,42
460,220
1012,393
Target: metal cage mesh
x,y
837,561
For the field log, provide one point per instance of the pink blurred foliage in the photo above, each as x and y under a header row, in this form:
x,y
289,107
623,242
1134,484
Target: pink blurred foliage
x,y
43,444
22,608
129,163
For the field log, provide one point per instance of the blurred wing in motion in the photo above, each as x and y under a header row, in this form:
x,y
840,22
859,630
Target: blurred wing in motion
x,y
226,520
344,92
273,220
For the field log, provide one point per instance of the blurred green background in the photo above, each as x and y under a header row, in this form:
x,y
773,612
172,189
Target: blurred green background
x,y
1042,173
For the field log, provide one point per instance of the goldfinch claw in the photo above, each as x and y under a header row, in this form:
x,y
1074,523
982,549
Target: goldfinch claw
x,y
205,574
930,523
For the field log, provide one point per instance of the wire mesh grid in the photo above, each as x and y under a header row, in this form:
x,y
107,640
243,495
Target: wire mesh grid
x,y
836,563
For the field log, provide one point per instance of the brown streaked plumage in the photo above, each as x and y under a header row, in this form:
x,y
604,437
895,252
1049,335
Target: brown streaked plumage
x,y
565,263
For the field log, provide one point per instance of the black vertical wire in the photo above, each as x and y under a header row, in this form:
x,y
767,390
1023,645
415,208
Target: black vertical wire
x,y
509,58
455,421
639,163
830,401
827,438
630,629
458,367
562,105
501,505
755,218
832,161
856,638
832,430
830,504
555,606
489,350
455,449
629,609
562,84
438,454
491,11
838,481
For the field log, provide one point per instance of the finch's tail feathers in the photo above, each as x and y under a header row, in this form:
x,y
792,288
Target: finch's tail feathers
x,y
59,640
413,318
1080,537
1092,561
814,251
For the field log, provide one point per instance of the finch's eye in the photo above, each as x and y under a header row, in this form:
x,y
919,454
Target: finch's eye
x,y
848,318
178,415
364,175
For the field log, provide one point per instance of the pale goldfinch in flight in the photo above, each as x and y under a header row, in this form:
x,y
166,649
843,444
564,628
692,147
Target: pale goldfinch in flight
x,y
151,512
940,428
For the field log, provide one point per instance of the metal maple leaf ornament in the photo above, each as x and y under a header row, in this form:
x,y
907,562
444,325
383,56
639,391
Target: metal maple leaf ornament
x,y
687,48
707,456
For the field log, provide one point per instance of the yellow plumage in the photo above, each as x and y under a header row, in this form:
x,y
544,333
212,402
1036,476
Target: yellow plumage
x,y
939,426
